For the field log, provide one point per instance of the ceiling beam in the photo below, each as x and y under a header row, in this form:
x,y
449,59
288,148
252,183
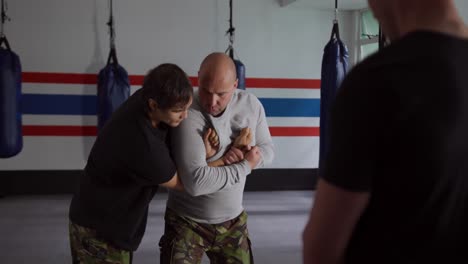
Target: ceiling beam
x,y
284,3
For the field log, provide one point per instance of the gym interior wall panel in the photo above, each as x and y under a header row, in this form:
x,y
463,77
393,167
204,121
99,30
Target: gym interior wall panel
x,y
59,122
71,36
289,37
70,153
294,152
63,44
50,153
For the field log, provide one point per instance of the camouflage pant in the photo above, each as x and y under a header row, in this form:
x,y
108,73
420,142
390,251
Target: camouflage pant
x,y
86,248
184,241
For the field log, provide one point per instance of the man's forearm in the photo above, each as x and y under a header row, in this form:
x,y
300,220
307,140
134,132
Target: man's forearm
x,y
206,179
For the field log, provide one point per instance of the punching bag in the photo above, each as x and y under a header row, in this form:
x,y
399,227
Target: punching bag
x,y
240,71
240,67
113,89
334,69
11,136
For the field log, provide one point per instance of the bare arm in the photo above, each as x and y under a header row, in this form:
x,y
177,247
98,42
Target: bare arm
x,y
174,183
331,223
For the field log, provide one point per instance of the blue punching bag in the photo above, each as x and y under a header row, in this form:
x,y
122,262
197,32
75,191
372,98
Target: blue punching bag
x,y
240,67
113,89
240,71
334,69
11,136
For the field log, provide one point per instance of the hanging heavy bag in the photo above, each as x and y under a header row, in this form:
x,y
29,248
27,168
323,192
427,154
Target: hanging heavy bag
x,y
113,89
240,71
240,67
11,136
334,68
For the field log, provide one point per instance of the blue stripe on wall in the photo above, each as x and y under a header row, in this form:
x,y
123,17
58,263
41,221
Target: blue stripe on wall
x,y
44,104
48,104
288,107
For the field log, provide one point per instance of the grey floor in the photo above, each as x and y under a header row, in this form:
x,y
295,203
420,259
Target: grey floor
x,y
34,229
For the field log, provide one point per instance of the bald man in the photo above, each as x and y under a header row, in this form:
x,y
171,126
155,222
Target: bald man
x,y
394,188
209,218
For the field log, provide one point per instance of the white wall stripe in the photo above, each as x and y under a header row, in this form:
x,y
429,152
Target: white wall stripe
x,y
59,120
293,121
295,152
53,88
64,89
134,88
285,93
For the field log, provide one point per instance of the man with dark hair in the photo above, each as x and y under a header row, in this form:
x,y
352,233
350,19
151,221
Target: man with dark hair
x,y
172,87
127,163
394,187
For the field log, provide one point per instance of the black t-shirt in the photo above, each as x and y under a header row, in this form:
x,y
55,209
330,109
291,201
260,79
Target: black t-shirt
x,y
127,162
399,130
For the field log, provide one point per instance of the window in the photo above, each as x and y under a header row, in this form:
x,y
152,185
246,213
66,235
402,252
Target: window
x,y
368,34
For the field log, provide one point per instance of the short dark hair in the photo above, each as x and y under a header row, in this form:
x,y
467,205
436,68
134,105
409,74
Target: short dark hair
x,y
168,85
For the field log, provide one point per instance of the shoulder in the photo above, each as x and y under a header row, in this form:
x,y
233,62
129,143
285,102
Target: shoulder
x,y
195,121
195,117
243,98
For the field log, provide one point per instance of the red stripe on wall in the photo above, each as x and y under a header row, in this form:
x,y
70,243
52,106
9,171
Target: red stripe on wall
x,y
136,79
282,83
59,130
295,131
92,131
88,78
68,78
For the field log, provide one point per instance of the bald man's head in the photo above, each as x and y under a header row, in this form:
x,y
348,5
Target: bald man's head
x,y
217,82
217,67
399,17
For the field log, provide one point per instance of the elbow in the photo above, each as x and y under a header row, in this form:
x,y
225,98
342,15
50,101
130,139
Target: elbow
x,y
268,157
193,190
271,157
195,187
268,153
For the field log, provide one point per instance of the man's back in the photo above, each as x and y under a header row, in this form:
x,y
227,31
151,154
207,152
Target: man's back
x,y
414,151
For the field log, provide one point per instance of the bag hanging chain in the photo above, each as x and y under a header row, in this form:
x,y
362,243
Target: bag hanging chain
x,y
110,23
231,32
4,18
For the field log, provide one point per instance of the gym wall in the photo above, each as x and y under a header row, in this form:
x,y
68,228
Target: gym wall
x,y
63,44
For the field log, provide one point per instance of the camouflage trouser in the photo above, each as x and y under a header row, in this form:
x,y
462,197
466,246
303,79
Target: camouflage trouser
x,y
184,241
86,248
